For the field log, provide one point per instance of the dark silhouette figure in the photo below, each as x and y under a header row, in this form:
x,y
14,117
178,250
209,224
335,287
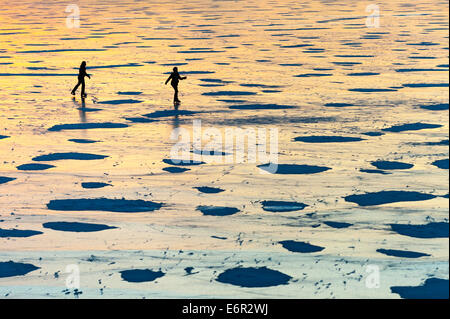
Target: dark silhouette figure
x,y
82,73
175,77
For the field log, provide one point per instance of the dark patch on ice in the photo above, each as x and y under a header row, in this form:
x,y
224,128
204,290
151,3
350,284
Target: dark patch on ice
x,y
353,56
180,162
310,75
256,85
290,64
129,93
139,120
260,107
82,141
386,197
11,268
3,136
423,43
4,179
5,233
118,102
339,104
85,126
76,227
189,271
411,127
210,152
340,19
419,70
199,51
253,277
296,46
391,165
218,81
210,85
271,91
362,90
104,204
164,39
435,107
217,210
94,185
327,139
401,253
39,68
69,39
88,109
442,142
228,93
425,85
443,163
300,246
140,275
374,171
218,237
167,113
282,206
363,74
373,133
174,169
68,156
209,190
347,63
433,288
313,50
34,167
430,230
422,57
295,169
337,224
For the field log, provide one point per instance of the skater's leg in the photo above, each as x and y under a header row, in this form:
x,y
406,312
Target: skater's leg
x,y
83,86
76,87
175,96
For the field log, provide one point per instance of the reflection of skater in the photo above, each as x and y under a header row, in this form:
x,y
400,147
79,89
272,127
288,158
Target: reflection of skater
x,y
82,73
175,76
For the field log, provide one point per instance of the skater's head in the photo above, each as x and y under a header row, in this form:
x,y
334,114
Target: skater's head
x,y
175,69
83,64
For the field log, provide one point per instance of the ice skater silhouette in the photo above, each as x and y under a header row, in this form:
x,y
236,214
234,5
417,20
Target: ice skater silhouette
x,y
82,73
175,76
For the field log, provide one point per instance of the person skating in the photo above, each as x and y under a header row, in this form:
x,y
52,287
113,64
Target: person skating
x,y
175,77
81,74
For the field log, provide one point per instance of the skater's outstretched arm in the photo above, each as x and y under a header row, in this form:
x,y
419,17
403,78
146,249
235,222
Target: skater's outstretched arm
x,y
168,79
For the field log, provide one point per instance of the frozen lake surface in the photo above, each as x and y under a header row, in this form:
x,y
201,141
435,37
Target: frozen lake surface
x,y
358,207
